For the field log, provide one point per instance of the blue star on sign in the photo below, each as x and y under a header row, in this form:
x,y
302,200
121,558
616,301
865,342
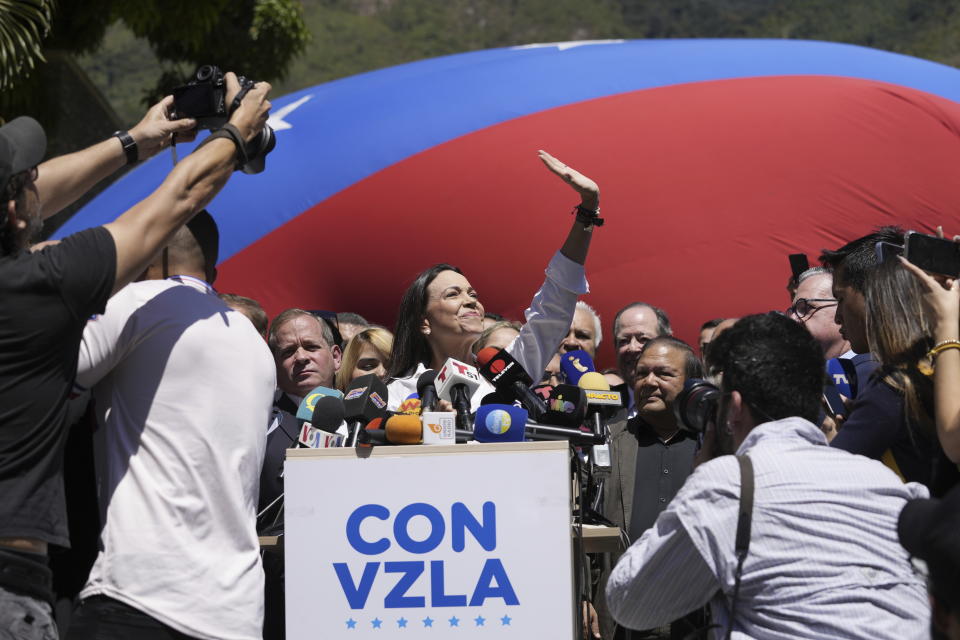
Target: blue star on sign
x,y
505,620
402,623
454,621
479,620
351,624
376,622
428,622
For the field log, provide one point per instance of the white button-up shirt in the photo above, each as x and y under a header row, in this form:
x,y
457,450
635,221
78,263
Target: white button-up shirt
x,y
824,559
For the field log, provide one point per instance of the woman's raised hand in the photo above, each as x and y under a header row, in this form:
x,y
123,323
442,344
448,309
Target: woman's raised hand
x,y
587,188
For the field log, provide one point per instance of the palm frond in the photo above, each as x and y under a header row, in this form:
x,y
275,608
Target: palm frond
x,y
23,26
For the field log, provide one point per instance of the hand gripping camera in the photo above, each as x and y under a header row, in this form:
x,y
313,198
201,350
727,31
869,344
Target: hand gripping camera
x,y
205,99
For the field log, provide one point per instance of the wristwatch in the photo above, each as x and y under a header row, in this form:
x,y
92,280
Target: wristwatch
x,y
129,146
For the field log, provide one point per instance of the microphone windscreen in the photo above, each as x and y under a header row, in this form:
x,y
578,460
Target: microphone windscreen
x,y
543,390
496,397
502,369
575,364
328,413
376,423
454,373
566,407
314,438
499,423
593,380
439,427
309,402
410,404
366,399
426,392
426,379
837,374
404,429
486,354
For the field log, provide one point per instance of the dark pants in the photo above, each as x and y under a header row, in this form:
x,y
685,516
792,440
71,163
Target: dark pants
x,y
103,618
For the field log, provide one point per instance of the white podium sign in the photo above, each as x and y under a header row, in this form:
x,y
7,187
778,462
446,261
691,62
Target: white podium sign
x,y
429,542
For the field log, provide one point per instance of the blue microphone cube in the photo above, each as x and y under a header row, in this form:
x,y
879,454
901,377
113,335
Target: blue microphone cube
x,y
574,364
499,423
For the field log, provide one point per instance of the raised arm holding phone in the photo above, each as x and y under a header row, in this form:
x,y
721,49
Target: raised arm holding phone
x,y
941,298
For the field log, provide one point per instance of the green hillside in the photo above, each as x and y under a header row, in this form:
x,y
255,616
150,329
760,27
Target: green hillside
x,y
352,36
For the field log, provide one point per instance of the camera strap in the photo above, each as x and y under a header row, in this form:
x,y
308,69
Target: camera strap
x,y
245,86
231,133
744,520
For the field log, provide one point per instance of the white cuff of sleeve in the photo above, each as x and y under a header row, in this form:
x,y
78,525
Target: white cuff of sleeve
x,y
568,274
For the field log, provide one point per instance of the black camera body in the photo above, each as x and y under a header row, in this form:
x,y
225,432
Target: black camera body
x,y
204,98
696,405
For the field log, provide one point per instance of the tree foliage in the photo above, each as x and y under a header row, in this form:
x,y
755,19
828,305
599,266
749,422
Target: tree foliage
x,y
259,37
23,26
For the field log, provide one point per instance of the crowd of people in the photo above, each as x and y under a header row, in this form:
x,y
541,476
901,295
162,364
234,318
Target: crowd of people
x,y
783,515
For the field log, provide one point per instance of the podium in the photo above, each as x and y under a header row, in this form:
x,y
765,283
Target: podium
x,y
429,542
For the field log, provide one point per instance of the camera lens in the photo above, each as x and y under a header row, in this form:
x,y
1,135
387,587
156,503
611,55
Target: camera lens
x,y
257,150
697,404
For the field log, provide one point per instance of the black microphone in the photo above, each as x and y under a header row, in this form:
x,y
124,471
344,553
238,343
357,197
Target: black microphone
x,y
566,407
497,397
456,383
321,431
427,390
328,414
365,399
504,372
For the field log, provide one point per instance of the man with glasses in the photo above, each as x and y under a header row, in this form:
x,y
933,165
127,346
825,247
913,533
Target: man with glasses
x,y
48,295
814,306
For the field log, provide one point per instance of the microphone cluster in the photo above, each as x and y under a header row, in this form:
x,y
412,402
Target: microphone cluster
x,y
512,413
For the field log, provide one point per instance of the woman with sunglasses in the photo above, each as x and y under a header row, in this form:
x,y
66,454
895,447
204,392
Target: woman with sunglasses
x,y
441,315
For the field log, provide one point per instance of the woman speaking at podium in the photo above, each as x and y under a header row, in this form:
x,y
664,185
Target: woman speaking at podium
x,y
441,316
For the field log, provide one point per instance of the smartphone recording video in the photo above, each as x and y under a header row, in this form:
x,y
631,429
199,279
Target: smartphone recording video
x,y
932,254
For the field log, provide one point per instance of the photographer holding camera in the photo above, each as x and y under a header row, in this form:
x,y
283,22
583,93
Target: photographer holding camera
x,y
790,538
48,295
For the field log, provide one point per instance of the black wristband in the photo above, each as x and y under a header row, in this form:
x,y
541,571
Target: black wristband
x,y
129,146
588,217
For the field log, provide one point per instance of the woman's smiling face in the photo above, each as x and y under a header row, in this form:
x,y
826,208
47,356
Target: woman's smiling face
x,y
452,307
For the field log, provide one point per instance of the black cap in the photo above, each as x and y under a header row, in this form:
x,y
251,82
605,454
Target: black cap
x,y
22,146
928,529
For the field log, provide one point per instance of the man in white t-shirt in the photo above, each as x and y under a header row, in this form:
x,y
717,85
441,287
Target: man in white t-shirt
x,y
183,387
